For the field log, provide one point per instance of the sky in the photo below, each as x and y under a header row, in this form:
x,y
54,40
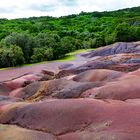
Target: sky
x,y
28,8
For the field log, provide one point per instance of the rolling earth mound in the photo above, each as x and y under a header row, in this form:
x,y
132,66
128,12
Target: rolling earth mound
x,y
94,97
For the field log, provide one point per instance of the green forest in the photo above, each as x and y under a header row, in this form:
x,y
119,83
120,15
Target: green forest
x,y
36,39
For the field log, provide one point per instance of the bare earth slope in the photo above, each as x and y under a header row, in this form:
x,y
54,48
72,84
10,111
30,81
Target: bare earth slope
x,y
94,97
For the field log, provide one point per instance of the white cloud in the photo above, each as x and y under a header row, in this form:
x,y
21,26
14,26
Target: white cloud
x,y
28,8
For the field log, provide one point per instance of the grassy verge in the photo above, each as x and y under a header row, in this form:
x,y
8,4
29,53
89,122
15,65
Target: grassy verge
x,y
71,56
66,58
4,68
79,51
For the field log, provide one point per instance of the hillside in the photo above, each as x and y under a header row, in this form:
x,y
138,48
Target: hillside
x,y
38,39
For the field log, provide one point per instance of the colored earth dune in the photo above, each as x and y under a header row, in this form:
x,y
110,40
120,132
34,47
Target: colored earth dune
x,y
94,97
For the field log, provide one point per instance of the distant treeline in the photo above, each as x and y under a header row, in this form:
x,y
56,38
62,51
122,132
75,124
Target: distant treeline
x,y
36,39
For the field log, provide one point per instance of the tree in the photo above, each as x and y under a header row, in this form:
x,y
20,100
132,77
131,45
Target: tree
x,y
47,38
11,56
42,54
24,41
123,32
38,55
68,44
48,54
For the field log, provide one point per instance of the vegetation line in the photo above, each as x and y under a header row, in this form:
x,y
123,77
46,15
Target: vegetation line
x,y
67,57
37,39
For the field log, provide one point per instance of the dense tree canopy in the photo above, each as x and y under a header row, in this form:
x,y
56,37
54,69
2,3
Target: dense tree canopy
x,y
37,39
11,56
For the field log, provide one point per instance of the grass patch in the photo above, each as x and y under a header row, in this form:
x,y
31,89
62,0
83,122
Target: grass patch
x,y
79,51
66,58
71,56
3,69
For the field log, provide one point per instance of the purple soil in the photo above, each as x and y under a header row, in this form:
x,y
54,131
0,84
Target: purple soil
x,y
12,73
89,99
19,71
11,132
70,118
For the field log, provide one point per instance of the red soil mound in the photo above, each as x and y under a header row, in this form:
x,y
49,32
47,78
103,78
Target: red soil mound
x,y
78,118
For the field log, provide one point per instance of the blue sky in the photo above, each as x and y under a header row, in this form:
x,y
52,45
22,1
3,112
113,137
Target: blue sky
x,y
28,8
